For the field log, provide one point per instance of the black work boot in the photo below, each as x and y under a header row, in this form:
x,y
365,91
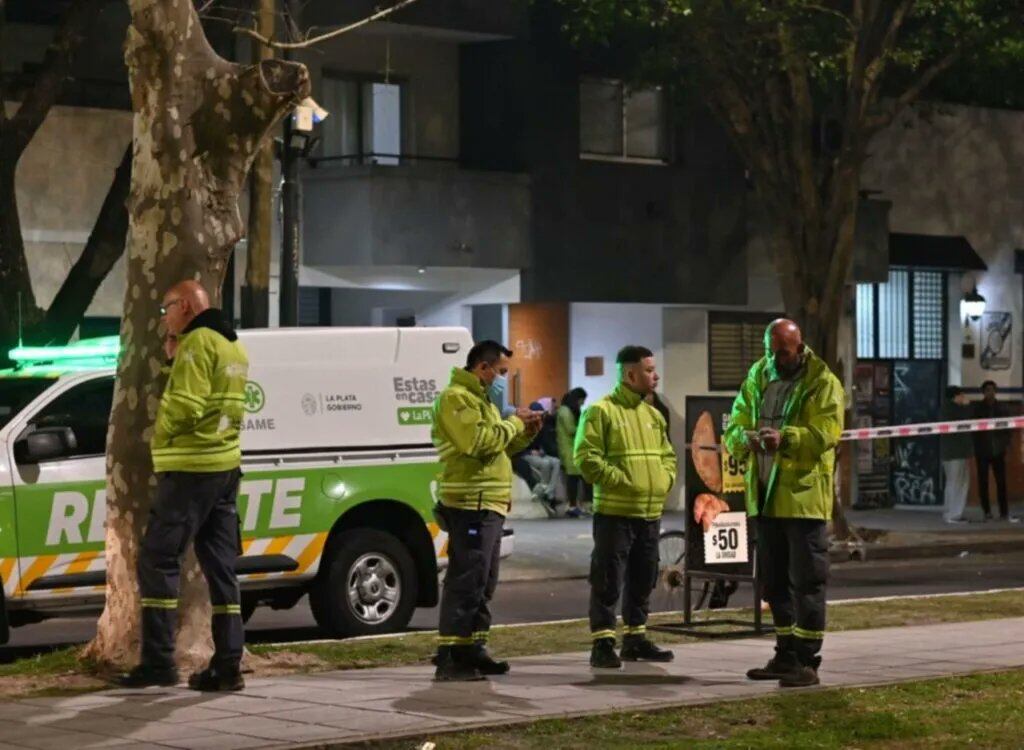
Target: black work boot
x,y
454,665
603,656
484,662
639,648
779,666
145,675
805,674
217,679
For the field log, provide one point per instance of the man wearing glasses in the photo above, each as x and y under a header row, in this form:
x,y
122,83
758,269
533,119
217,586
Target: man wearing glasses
x,y
197,460
789,415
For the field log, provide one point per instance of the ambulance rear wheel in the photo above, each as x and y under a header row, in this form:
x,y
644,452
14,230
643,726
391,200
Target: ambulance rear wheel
x,y
367,585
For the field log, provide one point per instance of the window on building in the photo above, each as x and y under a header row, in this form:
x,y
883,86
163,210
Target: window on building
x,y
903,317
365,122
735,342
617,122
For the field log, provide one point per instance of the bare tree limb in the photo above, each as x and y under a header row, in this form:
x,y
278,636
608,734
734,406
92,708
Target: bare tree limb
x,y
880,122
55,69
324,37
103,249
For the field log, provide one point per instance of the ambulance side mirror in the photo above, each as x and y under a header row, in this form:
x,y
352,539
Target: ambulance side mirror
x,y
45,444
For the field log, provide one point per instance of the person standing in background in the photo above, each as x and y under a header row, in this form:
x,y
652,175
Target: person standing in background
x,y
990,451
955,449
567,421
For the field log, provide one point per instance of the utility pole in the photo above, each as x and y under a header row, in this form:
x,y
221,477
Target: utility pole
x,y
291,226
256,292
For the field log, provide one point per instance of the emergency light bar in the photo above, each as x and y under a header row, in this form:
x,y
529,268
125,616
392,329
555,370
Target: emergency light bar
x,y
97,351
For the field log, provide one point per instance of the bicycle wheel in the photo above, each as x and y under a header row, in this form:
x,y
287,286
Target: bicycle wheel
x,y
668,593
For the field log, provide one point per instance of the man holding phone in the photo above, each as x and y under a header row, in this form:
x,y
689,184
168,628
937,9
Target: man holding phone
x,y
474,443
789,416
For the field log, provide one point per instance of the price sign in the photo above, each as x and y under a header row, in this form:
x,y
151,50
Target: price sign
x,y
726,540
733,472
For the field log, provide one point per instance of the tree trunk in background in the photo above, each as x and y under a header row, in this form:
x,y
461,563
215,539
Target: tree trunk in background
x,y
199,122
256,292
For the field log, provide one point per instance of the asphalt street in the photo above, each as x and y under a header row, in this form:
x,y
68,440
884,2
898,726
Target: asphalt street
x,y
531,601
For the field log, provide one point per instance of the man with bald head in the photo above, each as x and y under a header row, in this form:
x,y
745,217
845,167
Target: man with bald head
x,y
197,459
788,417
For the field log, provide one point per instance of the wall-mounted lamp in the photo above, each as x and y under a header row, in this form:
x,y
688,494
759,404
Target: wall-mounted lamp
x,y
972,306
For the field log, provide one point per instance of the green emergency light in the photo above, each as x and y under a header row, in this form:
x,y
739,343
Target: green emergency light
x,y
86,354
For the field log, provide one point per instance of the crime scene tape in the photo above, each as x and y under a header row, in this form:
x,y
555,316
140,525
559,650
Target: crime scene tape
x,y
933,428
914,430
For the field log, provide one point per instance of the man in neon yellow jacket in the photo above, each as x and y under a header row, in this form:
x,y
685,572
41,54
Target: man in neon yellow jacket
x,y
622,448
788,416
197,458
475,495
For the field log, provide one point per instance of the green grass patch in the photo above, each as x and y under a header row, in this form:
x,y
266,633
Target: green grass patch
x,y
59,661
416,648
956,712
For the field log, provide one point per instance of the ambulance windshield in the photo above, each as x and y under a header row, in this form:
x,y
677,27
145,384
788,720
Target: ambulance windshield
x,y
16,393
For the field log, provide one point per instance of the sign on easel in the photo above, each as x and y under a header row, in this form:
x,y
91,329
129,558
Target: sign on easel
x,y
726,540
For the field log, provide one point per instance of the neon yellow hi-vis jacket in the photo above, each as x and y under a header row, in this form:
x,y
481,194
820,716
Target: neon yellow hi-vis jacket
x,y
200,414
475,443
801,481
623,450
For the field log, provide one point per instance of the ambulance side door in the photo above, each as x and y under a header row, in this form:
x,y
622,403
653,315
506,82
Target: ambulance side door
x,y
60,494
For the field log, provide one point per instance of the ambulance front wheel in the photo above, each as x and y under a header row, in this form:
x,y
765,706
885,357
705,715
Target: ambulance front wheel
x,y
367,585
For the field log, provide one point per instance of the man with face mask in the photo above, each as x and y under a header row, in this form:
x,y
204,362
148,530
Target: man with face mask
x,y
789,415
475,495
622,448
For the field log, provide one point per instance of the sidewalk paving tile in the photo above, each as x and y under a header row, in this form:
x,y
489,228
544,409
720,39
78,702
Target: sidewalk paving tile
x,y
264,727
337,707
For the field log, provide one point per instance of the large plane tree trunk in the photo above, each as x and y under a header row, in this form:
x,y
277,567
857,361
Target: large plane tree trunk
x,y
199,121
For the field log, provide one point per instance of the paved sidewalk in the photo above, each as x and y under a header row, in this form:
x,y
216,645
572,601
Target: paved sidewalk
x,y
338,707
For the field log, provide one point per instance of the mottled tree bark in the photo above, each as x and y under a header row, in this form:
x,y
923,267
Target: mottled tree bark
x,y
199,121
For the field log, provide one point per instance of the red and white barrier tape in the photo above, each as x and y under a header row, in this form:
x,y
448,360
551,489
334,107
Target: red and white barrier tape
x,y
915,430
933,428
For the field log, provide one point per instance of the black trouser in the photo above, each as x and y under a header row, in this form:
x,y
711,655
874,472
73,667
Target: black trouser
x,y
576,490
200,507
998,464
792,558
474,555
623,548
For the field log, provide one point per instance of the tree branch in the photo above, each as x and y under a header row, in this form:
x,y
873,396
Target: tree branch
x,y
882,121
103,249
324,37
55,69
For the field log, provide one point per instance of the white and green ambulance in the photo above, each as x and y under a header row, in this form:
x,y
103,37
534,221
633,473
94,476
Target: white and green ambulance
x,y
339,475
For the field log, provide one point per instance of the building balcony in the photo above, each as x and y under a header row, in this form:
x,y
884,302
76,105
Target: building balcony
x,y
421,215
465,20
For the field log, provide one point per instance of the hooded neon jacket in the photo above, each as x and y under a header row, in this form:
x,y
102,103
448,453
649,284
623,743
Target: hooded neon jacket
x,y
622,448
200,413
801,481
474,444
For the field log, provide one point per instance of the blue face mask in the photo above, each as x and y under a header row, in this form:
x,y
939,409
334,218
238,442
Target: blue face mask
x,y
496,391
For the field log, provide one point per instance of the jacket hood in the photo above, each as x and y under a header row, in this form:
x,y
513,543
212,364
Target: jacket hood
x,y
214,320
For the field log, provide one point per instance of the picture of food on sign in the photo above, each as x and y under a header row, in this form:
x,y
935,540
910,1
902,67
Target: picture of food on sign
x,y
707,507
706,457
